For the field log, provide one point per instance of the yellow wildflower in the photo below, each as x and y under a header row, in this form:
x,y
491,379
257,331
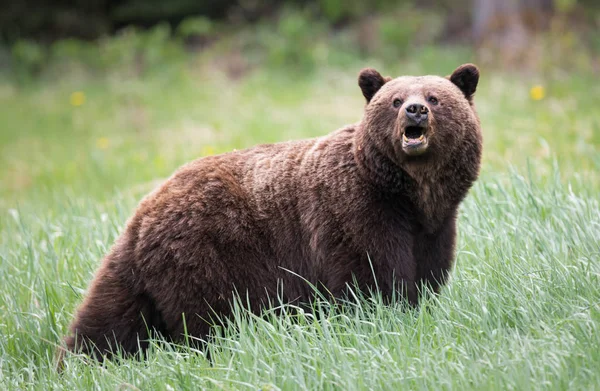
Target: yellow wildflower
x,y
77,98
102,143
208,150
537,92
159,162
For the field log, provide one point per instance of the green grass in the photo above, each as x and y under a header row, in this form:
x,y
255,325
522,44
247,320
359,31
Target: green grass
x,y
522,310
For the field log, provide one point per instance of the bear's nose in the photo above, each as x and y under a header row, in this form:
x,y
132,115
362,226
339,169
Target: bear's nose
x,y
417,112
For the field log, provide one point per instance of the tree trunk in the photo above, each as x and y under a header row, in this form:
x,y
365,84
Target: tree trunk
x,y
503,29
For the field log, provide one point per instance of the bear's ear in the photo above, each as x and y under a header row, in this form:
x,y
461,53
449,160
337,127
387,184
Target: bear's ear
x,y
466,78
370,81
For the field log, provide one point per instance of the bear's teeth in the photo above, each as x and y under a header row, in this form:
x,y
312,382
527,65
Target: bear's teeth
x,y
408,140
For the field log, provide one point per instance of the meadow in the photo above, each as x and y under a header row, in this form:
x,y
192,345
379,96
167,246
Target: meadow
x,y
522,311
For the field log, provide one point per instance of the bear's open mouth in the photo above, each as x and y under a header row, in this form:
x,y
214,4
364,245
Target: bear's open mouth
x,y
413,132
414,141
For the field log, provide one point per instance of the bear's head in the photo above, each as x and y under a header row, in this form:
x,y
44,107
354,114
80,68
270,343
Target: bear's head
x,y
415,118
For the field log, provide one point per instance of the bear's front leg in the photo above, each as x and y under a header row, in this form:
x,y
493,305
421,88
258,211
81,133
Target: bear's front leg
x,y
396,270
434,254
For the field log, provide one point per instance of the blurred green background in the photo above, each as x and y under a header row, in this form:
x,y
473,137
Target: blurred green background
x,y
97,95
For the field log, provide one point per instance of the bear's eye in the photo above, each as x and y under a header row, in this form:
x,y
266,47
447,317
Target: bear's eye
x,y
433,100
397,102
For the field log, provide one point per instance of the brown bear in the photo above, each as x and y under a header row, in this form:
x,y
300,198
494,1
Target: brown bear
x,y
373,204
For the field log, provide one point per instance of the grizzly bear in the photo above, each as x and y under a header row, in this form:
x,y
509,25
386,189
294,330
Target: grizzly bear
x,y
372,205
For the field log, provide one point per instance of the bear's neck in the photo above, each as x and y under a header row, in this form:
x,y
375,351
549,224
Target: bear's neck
x,y
378,169
435,185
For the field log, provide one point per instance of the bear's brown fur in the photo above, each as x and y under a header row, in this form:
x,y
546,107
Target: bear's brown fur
x,y
374,201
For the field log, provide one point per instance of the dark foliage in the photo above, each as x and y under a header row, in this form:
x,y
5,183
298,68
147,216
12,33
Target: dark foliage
x,y
51,20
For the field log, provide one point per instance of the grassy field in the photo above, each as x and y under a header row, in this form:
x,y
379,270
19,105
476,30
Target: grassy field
x,y
522,310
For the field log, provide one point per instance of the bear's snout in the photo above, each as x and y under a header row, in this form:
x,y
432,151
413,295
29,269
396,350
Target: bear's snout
x,y
414,124
416,114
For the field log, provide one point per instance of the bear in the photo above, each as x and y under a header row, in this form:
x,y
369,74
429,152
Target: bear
x,y
373,205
